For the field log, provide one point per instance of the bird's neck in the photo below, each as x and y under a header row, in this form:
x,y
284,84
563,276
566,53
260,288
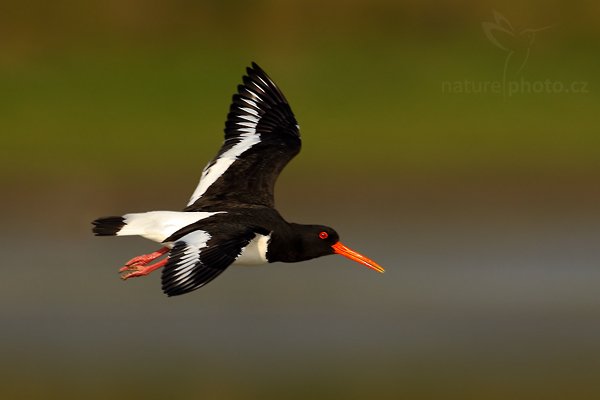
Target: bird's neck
x,y
288,245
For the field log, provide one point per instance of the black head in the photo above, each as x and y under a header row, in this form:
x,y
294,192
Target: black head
x,y
312,241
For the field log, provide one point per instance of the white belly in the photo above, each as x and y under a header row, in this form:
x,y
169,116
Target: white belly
x,y
255,253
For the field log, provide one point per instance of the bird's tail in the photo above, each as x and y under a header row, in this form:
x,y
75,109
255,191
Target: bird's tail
x,y
108,226
153,225
146,224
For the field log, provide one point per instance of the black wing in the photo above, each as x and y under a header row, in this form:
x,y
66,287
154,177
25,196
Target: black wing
x,y
261,137
199,257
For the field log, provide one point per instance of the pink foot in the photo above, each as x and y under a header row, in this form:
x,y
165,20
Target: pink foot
x,y
135,271
144,258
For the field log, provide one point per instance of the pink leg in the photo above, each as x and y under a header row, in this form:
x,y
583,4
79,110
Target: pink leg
x,y
144,258
139,270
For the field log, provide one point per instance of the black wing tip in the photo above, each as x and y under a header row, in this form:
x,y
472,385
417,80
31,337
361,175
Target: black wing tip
x,y
256,77
108,226
172,293
254,71
254,67
172,289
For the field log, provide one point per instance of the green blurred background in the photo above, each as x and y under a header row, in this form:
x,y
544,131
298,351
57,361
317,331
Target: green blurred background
x,y
482,205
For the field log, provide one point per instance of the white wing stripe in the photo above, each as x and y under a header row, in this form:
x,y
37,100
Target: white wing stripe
x,y
249,118
249,110
184,276
258,87
249,101
263,81
195,242
247,124
226,159
183,268
188,268
248,138
254,95
187,258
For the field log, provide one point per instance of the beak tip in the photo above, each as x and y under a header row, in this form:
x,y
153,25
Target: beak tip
x,y
351,254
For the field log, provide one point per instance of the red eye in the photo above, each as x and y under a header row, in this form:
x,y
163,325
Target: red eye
x,y
323,235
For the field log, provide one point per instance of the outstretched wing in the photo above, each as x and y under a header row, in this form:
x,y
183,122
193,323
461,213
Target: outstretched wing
x,y
261,137
199,257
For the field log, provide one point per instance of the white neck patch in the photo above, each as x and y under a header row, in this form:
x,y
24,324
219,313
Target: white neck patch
x,y
255,253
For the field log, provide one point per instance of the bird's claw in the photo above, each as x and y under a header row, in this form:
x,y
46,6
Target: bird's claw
x,y
136,270
130,267
133,271
139,260
144,259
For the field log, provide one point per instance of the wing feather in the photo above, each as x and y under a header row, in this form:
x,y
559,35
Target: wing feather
x,y
261,137
199,257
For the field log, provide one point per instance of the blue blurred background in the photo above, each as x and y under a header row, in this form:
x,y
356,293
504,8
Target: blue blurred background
x,y
454,143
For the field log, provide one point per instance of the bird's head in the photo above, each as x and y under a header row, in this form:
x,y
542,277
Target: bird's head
x,y
319,240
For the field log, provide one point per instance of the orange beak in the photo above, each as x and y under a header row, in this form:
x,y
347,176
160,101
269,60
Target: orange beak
x,y
339,248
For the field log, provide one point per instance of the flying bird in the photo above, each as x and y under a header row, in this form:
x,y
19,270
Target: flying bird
x,y
231,217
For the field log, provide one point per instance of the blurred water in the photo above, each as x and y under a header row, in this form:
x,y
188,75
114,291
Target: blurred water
x,y
474,301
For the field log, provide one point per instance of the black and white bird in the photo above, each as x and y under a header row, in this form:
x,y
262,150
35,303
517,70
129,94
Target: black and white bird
x,y
231,216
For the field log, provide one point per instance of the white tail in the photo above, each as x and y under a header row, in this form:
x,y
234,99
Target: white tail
x,y
153,225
